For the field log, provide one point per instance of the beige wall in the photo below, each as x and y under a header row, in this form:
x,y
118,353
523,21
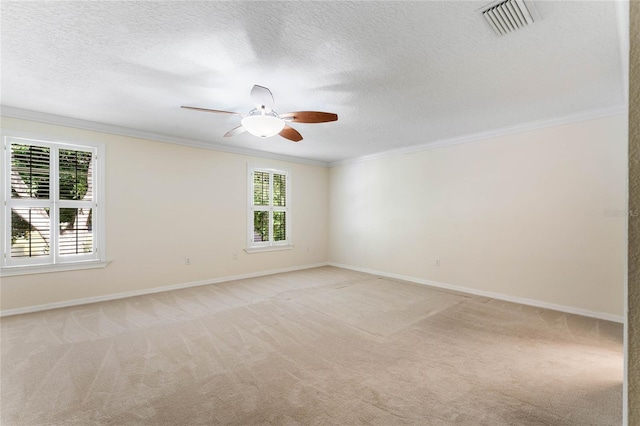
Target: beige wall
x,y
165,202
520,215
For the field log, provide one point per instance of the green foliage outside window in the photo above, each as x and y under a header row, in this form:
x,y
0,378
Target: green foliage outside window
x,y
279,190
260,226
260,189
279,226
32,164
74,174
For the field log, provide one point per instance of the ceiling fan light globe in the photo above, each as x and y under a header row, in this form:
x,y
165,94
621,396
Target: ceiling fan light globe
x,y
263,126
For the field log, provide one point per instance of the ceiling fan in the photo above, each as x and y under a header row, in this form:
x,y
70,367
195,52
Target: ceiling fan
x,y
263,121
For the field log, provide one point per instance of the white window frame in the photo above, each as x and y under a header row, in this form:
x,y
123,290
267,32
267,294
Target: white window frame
x,y
253,246
54,261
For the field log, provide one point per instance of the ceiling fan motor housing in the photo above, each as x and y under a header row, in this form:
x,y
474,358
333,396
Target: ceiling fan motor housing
x,y
263,124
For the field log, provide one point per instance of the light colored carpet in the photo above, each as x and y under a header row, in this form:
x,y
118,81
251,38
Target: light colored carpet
x,y
316,347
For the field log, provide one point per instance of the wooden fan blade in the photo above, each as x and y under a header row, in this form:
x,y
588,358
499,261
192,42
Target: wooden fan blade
x,y
262,97
235,131
211,110
290,133
309,116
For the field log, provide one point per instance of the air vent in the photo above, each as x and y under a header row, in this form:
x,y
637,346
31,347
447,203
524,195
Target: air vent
x,y
506,16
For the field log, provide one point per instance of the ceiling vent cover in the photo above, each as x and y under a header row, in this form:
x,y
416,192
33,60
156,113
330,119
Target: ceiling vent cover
x,y
506,16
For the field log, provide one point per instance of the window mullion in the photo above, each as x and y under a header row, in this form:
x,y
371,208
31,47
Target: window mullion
x,y
6,196
271,237
54,188
29,202
75,204
95,200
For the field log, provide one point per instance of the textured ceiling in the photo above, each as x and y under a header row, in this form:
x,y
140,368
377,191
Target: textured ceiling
x,y
398,74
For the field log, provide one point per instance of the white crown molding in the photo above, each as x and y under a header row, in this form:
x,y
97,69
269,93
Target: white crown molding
x,y
116,296
42,117
498,296
473,137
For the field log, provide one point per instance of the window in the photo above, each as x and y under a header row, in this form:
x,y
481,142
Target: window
x,y
50,203
269,216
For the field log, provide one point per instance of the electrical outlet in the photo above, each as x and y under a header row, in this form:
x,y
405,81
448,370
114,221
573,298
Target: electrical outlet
x,y
235,255
187,261
437,262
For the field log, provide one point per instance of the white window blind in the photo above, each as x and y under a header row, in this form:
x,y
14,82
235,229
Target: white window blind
x,y
50,205
269,215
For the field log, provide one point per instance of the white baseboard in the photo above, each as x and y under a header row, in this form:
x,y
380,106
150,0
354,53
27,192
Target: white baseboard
x,y
499,296
87,300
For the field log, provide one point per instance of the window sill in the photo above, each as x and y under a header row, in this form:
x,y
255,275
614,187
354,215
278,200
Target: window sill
x,y
269,248
10,271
